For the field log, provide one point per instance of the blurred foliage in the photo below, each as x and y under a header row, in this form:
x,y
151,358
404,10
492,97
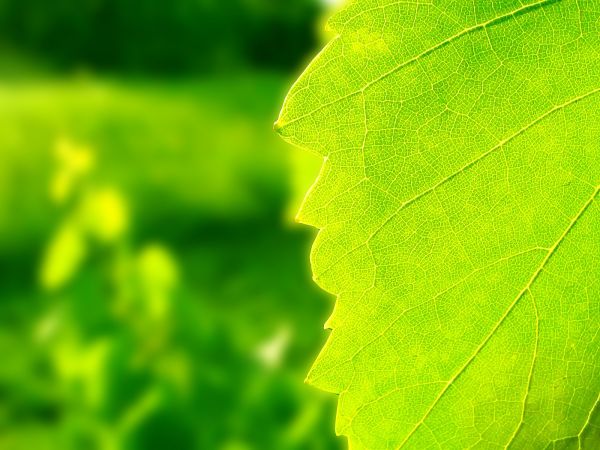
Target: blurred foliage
x,y
153,290
143,131
131,345
162,36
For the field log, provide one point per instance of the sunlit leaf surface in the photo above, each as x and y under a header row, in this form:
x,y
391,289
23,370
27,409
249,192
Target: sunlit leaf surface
x,y
459,221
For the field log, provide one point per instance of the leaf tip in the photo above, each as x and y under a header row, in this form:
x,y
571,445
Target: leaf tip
x,y
278,127
310,378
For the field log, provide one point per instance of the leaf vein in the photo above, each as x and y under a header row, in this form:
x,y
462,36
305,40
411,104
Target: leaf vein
x,y
511,307
479,26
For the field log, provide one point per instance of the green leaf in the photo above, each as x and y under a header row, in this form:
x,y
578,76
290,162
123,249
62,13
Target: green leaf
x,y
459,221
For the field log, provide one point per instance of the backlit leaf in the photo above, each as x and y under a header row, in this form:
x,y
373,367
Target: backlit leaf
x,y
459,221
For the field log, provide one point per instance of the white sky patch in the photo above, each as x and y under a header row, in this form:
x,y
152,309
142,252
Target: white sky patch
x,y
332,2
271,351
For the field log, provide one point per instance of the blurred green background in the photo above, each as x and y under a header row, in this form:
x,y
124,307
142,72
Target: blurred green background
x,y
154,290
